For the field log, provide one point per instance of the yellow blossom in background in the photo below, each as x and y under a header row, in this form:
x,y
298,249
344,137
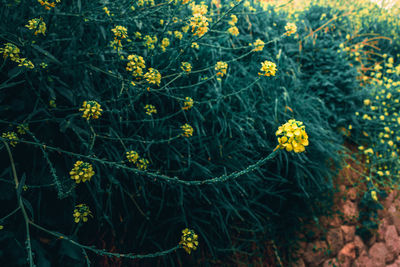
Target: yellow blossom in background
x,y
233,31
186,67
11,137
22,128
188,104
290,28
132,156
199,24
81,172
233,21
142,164
178,35
37,25
10,50
120,32
153,76
374,196
221,68
292,136
106,11
185,28
187,130
164,44
47,5
91,110
189,240
150,109
258,45
23,62
268,68
136,65
150,41
81,213
195,45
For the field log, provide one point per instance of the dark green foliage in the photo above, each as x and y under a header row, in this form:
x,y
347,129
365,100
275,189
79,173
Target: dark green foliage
x,y
234,123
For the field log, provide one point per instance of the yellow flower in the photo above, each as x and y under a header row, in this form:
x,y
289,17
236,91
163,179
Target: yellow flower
x,y
23,62
187,130
38,25
186,67
199,24
268,67
91,109
188,104
374,196
233,21
47,5
142,164
132,156
233,31
81,213
22,128
150,41
10,50
178,34
120,32
106,11
367,102
258,45
11,137
81,172
150,109
153,76
195,45
164,44
290,28
292,136
189,240
136,65
221,68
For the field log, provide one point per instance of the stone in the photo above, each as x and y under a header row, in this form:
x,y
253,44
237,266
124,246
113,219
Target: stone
x,y
384,223
364,261
359,245
350,212
298,263
392,243
394,216
334,238
349,232
378,253
347,254
316,253
331,263
352,194
335,221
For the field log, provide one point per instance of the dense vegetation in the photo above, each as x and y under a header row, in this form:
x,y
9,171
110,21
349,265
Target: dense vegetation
x,y
133,130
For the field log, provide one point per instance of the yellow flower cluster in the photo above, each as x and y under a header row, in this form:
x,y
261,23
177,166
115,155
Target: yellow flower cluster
x,y
164,44
81,213
153,76
268,68
233,30
292,136
150,41
187,130
22,128
178,35
195,45
106,11
290,29
373,195
81,172
199,22
12,51
189,240
48,5
258,45
186,67
38,25
136,65
221,68
120,32
91,109
11,137
150,109
132,156
188,104
142,164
